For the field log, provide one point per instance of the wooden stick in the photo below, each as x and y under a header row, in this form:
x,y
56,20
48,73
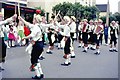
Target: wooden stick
x,y
57,14
60,17
18,8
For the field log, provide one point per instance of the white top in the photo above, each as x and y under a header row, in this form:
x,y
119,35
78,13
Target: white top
x,y
73,27
114,27
67,31
36,33
91,28
80,27
2,28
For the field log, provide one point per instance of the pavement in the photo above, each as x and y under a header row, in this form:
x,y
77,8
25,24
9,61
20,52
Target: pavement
x,y
84,65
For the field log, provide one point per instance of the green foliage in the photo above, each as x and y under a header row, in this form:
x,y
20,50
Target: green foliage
x,y
42,11
77,10
115,17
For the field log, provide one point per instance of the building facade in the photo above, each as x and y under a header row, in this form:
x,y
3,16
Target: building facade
x,y
119,6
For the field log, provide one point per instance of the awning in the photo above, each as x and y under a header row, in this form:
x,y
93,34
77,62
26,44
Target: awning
x,y
22,9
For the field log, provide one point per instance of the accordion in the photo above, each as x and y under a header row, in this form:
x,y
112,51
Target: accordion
x,y
84,28
98,29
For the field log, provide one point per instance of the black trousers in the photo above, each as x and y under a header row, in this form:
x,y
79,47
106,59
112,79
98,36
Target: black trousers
x,y
91,39
80,35
97,41
85,37
72,35
2,50
36,52
67,46
60,37
49,38
113,39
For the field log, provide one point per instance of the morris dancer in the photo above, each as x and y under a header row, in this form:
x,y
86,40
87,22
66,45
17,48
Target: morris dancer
x,y
113,36
37,47
3,55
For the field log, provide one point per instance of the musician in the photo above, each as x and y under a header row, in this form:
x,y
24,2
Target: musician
x,y
81,44
113,36
97,31
90,32
37,46
85,28
3,55
94,35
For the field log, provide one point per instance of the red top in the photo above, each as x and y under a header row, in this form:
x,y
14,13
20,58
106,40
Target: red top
x,y
26,31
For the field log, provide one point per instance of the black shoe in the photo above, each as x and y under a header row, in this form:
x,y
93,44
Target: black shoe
x,y
84,51
72,56
49,52
41,58
115,50
1,69
97,53
61,48
79,46
69,63
92,48
65,64
36,77
42,76
58,48
111,50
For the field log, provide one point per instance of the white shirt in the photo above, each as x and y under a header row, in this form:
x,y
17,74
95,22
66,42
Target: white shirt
x,y
36,33
67,31
80,27
1,26
91,28
73,27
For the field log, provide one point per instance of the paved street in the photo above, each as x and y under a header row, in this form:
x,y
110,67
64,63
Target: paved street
x,y
85,65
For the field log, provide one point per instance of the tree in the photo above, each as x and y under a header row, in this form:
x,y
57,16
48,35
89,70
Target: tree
x,y
115,17
77,10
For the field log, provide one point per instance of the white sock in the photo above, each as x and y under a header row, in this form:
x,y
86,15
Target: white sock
x,y
69,58
39,67
48,50
37,71
98,50
110,49
72,53
13,43
80,44
114,48
58,45
86,48
66,61
89,45
94,46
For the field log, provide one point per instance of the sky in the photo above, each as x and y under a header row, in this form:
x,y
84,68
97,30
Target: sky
x,y
113,4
